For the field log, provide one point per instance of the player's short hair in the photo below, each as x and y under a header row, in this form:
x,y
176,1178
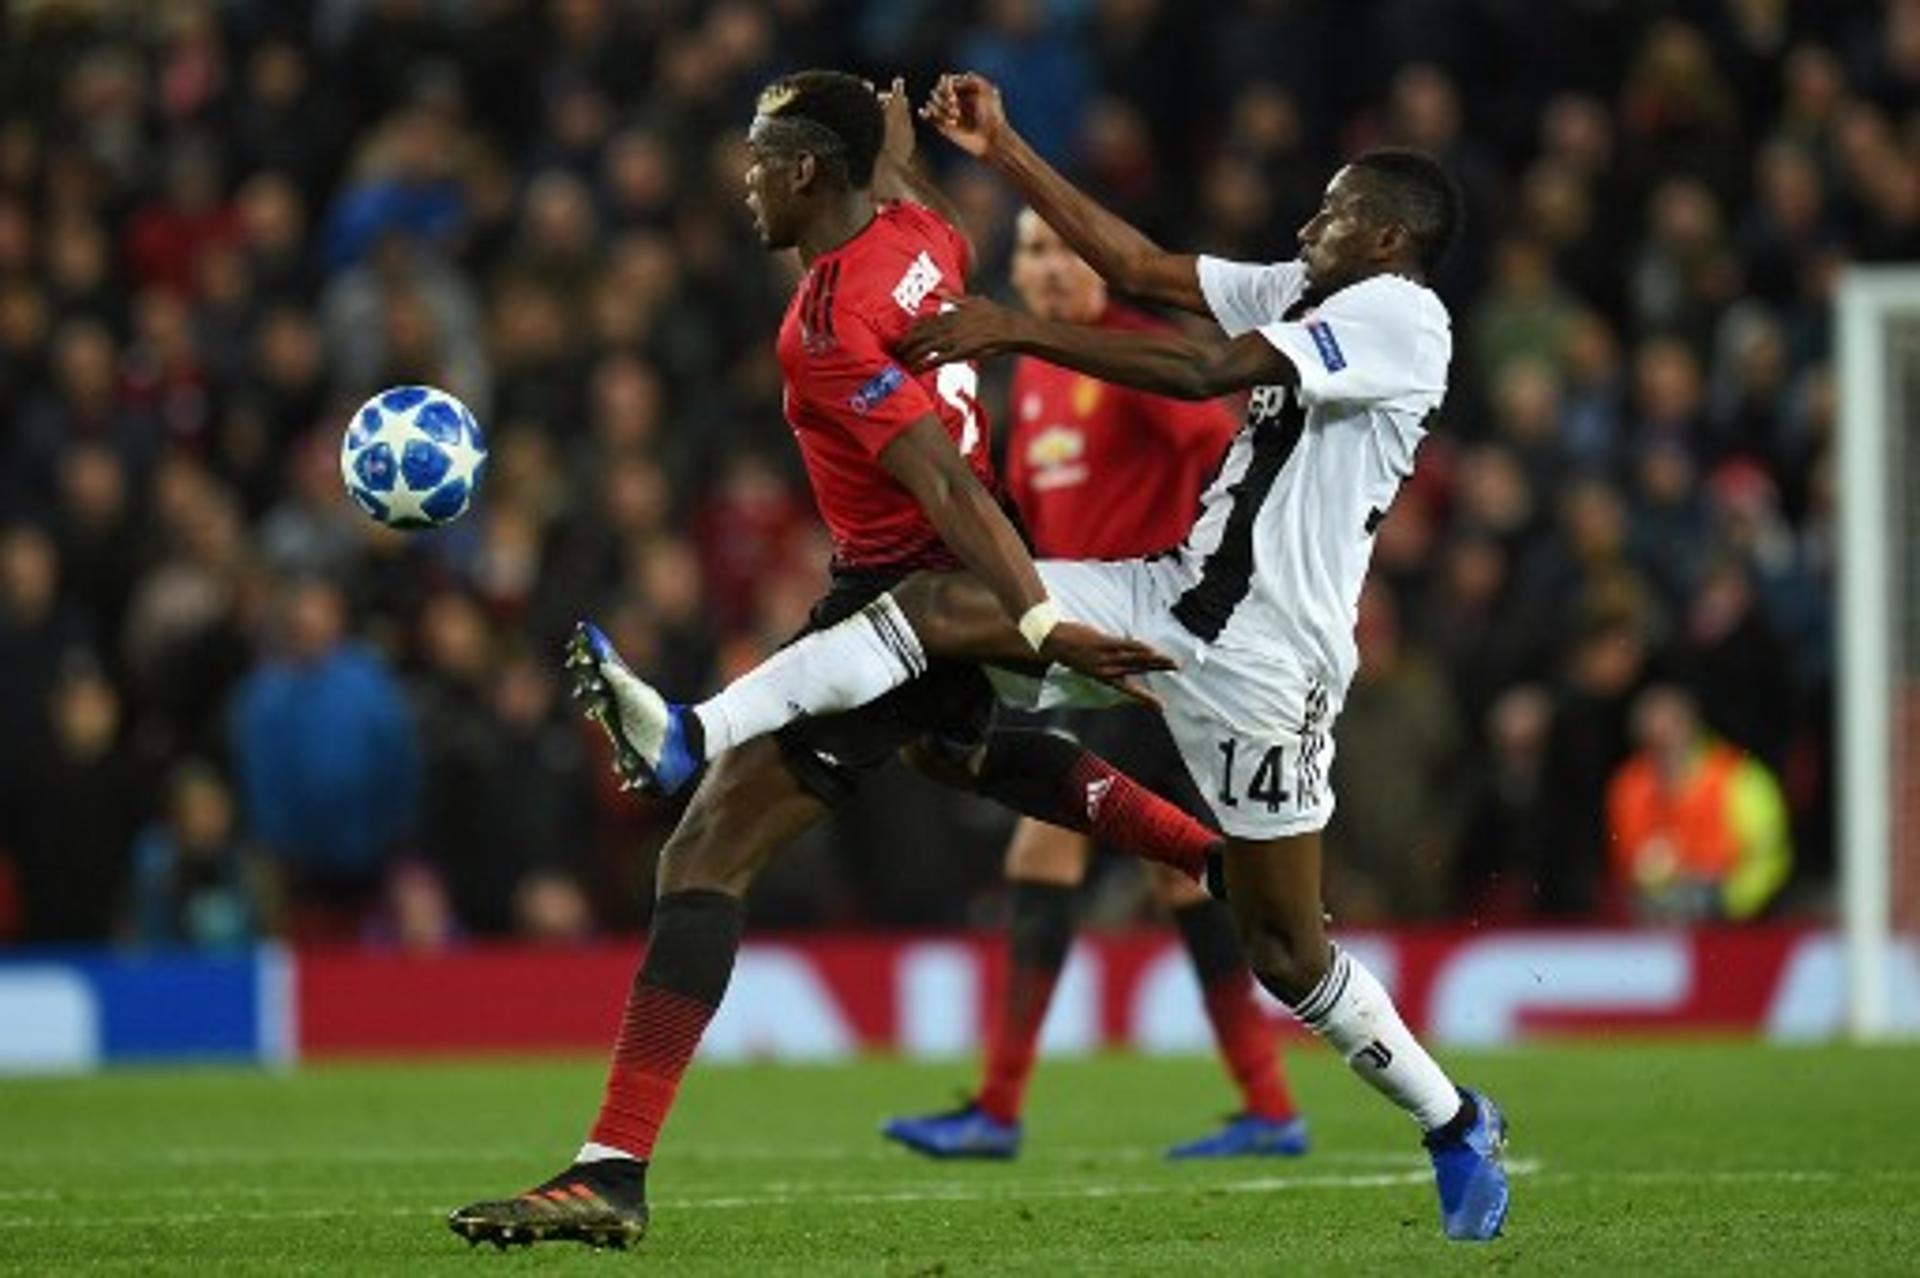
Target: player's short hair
x,y
1412,189
834,116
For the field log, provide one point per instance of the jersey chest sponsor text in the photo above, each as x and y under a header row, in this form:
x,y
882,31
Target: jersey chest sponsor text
x,y
1265,404
922,277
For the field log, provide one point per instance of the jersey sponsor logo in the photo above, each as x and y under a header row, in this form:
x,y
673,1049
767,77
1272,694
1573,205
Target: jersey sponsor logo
x,y
877,390
1265,403
921,279
1055,457
1323,341
1055,446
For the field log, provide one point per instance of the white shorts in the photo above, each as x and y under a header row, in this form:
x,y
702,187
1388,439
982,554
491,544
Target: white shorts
x,y
1255,729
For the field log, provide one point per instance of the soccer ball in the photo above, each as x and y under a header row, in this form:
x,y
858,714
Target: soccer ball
x,y
412,457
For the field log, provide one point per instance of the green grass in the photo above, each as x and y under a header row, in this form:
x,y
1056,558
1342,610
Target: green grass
x,y
1633,1158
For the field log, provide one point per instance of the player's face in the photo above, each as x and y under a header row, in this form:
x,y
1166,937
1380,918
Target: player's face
x,y
1054,281
769,182
1340,243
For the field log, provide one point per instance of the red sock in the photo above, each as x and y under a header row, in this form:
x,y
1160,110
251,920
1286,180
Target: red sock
x,y
1124,815
1246,1039
1038,938
1053,779
658,1034
689,959
1244,1033
1015,1041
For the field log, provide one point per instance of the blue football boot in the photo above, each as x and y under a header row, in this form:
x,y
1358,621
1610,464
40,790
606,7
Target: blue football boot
x,y
967,1132
1468,1171
656,742
1249,1135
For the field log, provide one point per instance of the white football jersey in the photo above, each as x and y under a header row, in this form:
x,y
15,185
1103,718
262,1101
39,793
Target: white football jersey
x,y
1280,549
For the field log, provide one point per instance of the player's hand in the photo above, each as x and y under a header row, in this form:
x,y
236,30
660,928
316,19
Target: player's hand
x,y
966,108
1111,660
964,328
897,141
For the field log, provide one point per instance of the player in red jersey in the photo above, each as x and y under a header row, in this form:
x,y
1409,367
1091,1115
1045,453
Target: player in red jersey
x,y
1104,471
1098,470
899,467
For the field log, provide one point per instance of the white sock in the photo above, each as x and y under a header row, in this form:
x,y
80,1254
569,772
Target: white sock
x,y
1350,1011
846,665
595,1152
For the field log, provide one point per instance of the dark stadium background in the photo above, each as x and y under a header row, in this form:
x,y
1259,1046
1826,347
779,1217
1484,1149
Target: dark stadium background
x,y
224,224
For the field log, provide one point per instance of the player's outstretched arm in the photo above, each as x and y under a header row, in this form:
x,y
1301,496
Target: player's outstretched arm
x,y
1164,363
924,461
967,110
897,175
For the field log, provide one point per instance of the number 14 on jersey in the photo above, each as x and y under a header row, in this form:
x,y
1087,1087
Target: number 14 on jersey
x,y
1260,776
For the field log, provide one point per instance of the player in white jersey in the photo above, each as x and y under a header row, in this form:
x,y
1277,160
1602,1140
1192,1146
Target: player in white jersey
x,y
1344,353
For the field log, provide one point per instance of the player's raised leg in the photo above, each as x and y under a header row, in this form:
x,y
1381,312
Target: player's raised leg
x,y
748,805
661,744
1267,1123
1273,886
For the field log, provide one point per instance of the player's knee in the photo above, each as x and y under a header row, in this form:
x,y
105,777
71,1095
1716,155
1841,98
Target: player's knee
x,y
926,606
951,763
697,855
948,611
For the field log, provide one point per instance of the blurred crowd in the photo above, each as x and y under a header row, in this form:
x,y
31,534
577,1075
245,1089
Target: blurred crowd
x,y
1597,643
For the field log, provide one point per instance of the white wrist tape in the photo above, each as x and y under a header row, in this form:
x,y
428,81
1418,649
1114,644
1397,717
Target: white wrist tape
x,y
1038,622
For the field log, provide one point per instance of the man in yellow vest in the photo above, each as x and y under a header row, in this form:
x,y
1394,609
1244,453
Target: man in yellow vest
x,y
1697,827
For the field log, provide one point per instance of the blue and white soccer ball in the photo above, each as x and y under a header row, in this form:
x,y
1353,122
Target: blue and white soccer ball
x,y
413,457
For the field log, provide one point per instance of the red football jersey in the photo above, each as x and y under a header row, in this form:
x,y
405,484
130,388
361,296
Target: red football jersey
x,y
847,398
1101,471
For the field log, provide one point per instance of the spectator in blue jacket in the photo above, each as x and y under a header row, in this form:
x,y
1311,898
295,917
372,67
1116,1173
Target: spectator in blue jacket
x,y
328,762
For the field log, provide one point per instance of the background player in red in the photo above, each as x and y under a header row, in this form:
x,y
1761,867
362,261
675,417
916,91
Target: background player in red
x,y
900,469
1102,471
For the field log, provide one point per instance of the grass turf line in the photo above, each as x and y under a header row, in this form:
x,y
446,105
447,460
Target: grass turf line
x,y
1646,1157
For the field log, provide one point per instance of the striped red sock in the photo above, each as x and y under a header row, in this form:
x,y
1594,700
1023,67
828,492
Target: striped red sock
x,y
689,960
658,1034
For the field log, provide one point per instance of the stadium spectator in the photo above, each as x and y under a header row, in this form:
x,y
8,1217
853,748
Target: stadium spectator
x,y
328,762
1511,834
186,642
1399,743
1697,827
81,801
196,884
37,631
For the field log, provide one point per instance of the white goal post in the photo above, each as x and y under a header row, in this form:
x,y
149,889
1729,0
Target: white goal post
x,y
1878,488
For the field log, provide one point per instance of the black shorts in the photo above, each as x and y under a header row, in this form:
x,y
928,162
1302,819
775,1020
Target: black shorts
x,y
952,701
1132,738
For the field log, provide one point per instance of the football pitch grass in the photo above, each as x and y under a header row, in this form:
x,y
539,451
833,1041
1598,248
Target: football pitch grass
x,y
1636,1157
